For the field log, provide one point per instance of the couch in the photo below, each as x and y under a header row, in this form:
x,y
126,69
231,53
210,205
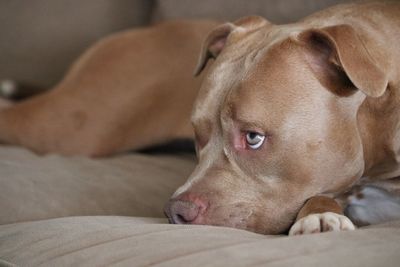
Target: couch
x,y
76,211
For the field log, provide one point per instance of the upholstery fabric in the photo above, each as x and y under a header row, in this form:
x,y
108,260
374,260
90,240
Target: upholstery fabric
x,y
123,241
34,187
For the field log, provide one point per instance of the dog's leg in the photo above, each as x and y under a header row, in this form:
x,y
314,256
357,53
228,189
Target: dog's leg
x,y
88,120
320,214
27,123
61,123
11,93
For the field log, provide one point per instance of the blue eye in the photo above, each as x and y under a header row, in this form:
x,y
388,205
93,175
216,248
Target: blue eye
x,y
254,140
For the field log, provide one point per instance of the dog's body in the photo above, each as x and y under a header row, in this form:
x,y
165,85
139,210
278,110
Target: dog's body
x,y
287,118
129,91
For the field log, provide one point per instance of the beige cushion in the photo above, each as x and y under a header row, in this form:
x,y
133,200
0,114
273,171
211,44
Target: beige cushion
x,y
123,241
277,11
39,39
34,187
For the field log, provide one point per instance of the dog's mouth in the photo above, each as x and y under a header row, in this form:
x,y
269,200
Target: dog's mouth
x,y
239,216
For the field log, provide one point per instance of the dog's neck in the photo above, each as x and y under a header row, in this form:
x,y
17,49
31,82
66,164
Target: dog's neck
x,y
379,125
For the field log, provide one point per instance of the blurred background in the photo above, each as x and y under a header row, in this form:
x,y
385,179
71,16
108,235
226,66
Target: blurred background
x,y
39,39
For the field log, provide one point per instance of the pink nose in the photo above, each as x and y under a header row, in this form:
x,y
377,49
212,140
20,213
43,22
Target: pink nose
x,y
181,211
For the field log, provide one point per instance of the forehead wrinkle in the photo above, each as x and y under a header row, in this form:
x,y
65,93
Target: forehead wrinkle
x,y
215,83
229,107
250,62
271,36
245,60
214,101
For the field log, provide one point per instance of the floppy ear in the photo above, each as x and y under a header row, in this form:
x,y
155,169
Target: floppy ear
x,y
213,45
342,61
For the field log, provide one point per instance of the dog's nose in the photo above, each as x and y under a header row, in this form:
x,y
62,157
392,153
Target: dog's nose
x,y
183,211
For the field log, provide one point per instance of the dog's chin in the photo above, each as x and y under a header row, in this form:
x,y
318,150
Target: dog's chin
x,y
244,220
241,224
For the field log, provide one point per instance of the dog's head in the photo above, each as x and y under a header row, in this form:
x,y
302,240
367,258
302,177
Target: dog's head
x,y
275,123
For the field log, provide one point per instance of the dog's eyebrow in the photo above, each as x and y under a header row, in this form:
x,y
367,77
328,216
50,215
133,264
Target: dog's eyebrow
x,y
241,120
250,125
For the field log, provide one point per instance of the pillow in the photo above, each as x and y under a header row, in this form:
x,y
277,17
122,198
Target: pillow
x,y
34,187
122,241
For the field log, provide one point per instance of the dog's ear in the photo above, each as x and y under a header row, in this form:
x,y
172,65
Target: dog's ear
x,y
217,38
342,61
213,45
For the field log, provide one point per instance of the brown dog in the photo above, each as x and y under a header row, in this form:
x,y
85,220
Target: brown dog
x,y
287,118
291,117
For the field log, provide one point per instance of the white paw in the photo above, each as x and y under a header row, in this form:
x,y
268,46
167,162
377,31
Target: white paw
x,y
321,222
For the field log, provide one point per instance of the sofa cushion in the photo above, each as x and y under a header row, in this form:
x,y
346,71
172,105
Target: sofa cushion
x,y
123,241
34,187
277,11
41,38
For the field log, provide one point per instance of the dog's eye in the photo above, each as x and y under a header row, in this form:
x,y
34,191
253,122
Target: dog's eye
x,y
254,140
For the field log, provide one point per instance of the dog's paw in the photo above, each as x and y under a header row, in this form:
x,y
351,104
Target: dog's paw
x,y
321,222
